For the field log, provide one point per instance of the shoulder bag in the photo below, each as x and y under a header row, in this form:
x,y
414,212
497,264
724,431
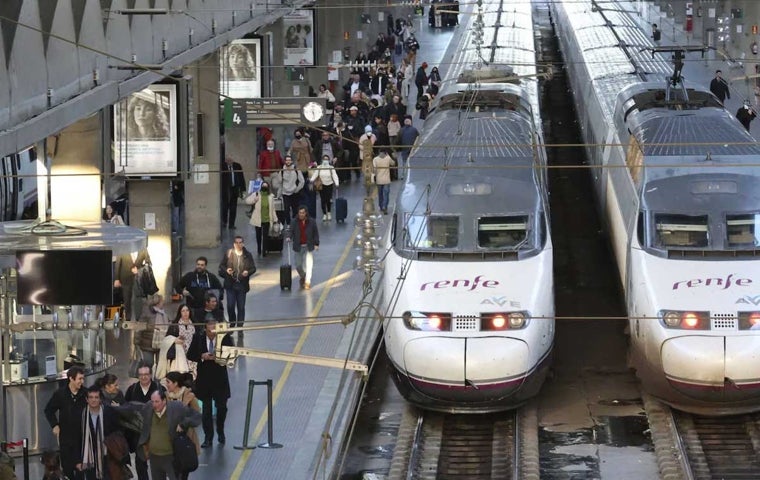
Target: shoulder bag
x,y
185,455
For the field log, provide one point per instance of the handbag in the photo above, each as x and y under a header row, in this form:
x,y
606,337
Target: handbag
x,y
275,230
147,280
159,333
318,184
185,455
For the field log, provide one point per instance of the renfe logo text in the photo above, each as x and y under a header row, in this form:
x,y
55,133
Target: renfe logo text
x,y
722,283
468,285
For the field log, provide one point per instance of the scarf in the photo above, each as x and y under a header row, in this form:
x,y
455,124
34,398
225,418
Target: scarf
x,y
93,449
176,395
186,333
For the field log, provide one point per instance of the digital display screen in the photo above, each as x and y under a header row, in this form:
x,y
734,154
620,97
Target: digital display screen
x,y
64,277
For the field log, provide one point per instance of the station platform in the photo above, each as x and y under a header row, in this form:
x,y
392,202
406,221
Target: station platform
x,y
698,68
312,405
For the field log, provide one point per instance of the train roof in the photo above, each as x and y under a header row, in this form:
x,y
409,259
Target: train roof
x,y
489,147
703,193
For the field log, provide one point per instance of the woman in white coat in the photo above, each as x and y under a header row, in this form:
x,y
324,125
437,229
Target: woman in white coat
x,y
263,215
327,179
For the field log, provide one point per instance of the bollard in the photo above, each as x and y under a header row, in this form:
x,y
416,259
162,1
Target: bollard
x,y
245,445
270,427
26,459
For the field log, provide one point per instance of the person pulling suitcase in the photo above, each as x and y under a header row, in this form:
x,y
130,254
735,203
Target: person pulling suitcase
x,y
305,236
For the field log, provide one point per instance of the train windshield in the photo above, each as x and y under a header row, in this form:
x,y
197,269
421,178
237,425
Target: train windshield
x,y
681,231
743,230
432,231
503,232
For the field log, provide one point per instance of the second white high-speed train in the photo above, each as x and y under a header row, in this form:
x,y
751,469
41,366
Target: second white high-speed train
x,y
468,273
678,183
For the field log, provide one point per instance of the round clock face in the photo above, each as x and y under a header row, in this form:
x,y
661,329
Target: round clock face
x,y
313,111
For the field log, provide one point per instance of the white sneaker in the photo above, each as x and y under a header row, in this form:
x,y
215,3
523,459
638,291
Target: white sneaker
x,y
324,217
329,216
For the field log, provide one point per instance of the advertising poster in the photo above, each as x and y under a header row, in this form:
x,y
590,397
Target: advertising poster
x,y
145,132
299,38
240,69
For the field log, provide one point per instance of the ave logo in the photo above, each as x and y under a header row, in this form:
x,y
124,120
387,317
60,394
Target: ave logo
x,y
749,300
500,302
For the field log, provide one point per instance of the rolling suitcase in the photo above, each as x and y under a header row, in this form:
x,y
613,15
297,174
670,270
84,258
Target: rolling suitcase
x,y
286,268
341,208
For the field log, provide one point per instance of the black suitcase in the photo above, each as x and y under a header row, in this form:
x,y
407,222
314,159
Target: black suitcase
x,y
274,244
341,208
286,269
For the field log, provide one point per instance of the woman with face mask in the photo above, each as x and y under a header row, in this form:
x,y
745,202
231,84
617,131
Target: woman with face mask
x,y
325,178
262,217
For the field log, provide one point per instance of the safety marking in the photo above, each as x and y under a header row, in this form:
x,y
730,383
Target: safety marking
x,y
279,385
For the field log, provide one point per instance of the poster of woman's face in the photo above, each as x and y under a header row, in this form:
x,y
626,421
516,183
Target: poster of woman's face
x,y
145,132
298,41
240,71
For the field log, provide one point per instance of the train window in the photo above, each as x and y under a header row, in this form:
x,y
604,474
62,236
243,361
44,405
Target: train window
x,y
743,230
681,230
503,232
634,159
432,231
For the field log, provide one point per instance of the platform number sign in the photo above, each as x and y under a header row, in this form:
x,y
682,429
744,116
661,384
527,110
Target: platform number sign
x,y
234,114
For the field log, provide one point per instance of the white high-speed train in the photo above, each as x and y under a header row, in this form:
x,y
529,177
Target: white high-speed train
x,y
679,188
468,273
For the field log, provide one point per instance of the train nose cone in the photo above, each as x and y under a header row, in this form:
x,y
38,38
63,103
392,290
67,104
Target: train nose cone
x,y
467,369
713,368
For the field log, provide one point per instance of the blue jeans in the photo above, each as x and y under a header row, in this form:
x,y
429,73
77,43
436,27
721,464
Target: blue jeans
x,y
235,306
383,192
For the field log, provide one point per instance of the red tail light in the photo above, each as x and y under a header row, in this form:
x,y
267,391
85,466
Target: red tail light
x,y
497,321
685,320
749,320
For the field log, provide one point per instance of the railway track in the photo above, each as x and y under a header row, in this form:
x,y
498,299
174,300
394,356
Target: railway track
x,y
697,447
500,446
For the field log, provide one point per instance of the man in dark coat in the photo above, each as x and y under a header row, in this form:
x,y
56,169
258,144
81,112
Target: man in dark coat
x,y
126,268
194,285
159,449
421,80
305,237
141,392
98,422
719,87
233,184
330,146
236,269
745,115
212,382
210,307
68,402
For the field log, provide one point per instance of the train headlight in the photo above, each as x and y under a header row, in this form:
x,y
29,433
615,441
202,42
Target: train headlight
x,y
686,320
427,321
516,320
502,321
672,319
749,320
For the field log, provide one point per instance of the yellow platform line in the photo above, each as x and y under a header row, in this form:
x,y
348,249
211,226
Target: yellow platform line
x,y
280,384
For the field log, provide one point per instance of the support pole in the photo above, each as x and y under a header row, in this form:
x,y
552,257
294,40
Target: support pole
x,y
270,427
26,459
245,446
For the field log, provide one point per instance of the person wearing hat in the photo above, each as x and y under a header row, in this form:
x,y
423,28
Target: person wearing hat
x,y
292,184
354,130
366,150
421,79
